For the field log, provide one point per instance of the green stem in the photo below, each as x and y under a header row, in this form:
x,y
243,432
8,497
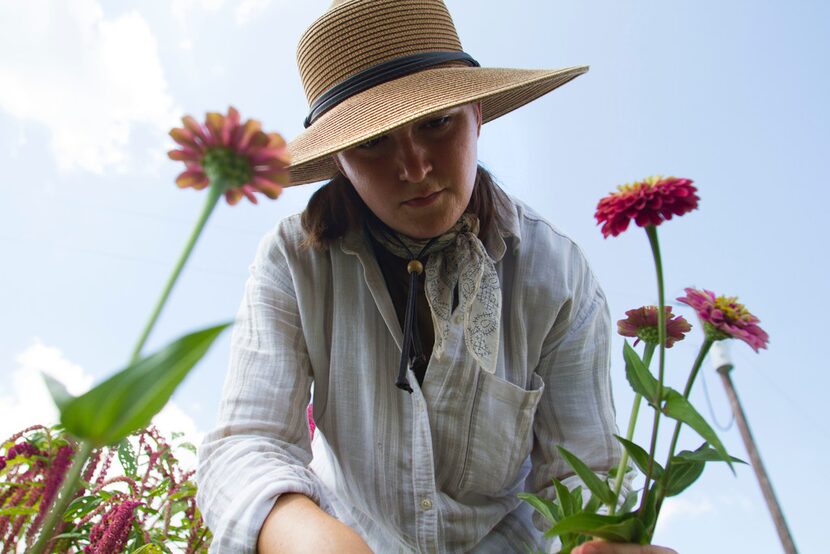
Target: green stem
x,y
65,494
651,231
629,435
701,355
214,193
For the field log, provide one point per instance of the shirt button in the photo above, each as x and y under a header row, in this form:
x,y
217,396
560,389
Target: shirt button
x,y
457,319
426,503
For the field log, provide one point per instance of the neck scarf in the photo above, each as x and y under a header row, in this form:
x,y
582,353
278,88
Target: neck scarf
x,y
459,258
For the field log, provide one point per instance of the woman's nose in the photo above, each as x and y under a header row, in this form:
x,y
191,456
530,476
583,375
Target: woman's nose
x,y
413,160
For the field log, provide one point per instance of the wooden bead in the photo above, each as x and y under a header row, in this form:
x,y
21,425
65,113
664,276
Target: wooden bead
x,y
414,266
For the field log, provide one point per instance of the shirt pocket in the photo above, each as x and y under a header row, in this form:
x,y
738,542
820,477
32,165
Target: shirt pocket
x,y
501,434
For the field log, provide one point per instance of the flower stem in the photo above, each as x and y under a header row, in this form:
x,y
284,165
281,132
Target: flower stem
x,y
65,494
632,424
701,355
651,232
214,193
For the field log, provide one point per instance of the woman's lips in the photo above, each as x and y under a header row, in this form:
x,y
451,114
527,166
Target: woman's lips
x,y
422,201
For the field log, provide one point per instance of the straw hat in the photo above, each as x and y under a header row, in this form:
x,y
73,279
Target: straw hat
x,y
370,66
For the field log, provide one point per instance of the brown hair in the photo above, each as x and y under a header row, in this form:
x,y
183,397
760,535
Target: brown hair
x,y
335,209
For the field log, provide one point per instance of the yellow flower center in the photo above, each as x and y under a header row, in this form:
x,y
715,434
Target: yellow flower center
x,y
731,308
648,182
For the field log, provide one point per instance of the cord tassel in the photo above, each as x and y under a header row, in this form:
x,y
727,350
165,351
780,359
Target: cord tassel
x,y
410,327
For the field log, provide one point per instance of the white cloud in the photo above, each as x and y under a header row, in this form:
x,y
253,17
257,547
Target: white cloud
x,y
249,9
244,10
88,79
684,508
27,402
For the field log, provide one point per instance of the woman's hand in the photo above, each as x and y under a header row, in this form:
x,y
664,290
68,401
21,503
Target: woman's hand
x,y
297,525
602,547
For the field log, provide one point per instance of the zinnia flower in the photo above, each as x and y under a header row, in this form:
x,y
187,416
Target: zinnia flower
x,y
642,323
724,318
647,202
240,155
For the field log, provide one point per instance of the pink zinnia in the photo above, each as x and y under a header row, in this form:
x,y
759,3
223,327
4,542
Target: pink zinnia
x,y
244,157
647,202
724,317
642,323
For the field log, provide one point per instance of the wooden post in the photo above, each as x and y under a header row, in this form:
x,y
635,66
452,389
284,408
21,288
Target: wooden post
x,y
723,368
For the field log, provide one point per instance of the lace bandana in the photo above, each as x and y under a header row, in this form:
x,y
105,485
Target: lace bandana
x,y
456,257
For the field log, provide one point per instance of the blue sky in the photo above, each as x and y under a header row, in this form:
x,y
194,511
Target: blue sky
x,y
730,94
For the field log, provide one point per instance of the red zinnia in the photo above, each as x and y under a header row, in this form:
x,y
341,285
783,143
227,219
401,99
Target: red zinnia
x,y
642,323
241,155
647,202
724,317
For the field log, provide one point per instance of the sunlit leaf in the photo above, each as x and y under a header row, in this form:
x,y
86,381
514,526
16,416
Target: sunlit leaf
x,y
545,507
591,480
612,528
128,400
563,495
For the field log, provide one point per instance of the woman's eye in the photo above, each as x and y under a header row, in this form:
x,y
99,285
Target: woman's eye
x,y
371,143
437,122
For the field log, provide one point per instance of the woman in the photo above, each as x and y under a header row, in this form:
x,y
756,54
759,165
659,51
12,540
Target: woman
x,y
452,337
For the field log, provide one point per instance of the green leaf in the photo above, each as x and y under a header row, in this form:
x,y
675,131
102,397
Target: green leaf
x,y
18,511
60,395
638,375
593,505
128,400
81,507
677,407
594,483
640,457
681,474
563,496
629,502
126,455
545,507
611,528
149,548
189,446
705,454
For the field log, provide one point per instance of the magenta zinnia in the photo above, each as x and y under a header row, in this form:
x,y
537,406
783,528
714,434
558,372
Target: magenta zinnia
x,y
642,324
724,318
648,202
240,156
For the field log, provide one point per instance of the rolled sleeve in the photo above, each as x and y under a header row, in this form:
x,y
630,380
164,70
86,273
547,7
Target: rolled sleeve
x,y
260,447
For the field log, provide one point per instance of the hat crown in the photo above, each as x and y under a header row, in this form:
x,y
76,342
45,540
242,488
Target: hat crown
x,y
354,35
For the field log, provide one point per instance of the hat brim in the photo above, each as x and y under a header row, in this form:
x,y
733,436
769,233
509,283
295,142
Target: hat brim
x,y
387,106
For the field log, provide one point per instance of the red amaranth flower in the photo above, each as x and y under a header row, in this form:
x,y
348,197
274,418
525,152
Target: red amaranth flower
x,y
642,323
648,202
241,155
725,318
117,529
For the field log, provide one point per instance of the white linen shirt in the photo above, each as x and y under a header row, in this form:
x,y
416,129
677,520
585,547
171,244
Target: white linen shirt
x,y
433,471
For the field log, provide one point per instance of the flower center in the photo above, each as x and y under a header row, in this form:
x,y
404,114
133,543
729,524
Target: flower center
x,y
224,165
731,308
648,182
649,335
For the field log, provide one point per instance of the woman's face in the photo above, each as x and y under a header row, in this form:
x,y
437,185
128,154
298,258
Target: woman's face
x,y
418,179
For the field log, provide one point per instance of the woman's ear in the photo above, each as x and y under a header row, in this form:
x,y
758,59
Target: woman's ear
x,y
478,118
336,160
